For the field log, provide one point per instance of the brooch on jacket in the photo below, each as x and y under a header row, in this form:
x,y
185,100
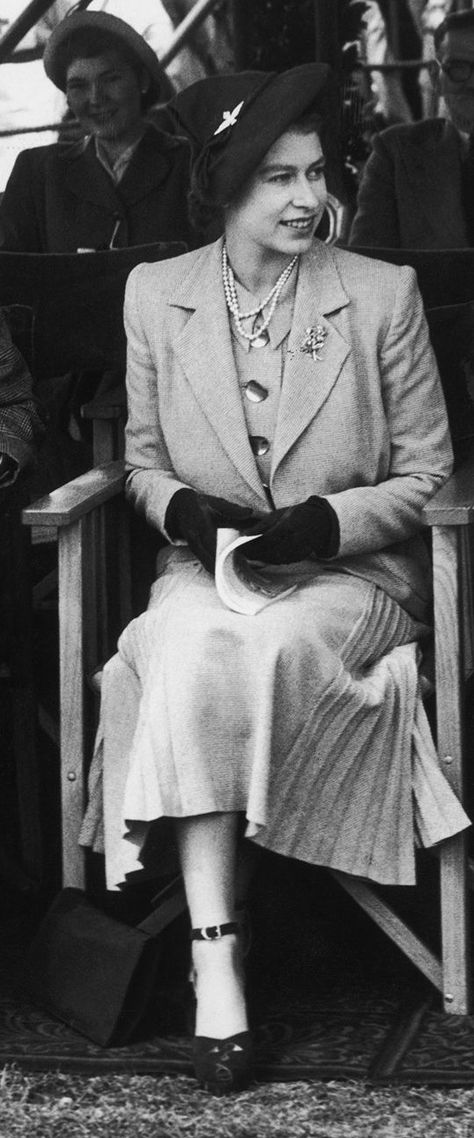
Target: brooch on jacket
x,y
314,341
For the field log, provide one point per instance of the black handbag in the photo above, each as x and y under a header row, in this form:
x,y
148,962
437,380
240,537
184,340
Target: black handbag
x,y
93,972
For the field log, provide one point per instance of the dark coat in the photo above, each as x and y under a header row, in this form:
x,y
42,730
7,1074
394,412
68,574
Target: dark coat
x,y
411,191
60,199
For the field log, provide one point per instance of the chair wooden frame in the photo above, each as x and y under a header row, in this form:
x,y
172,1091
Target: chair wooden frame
x,y
89,548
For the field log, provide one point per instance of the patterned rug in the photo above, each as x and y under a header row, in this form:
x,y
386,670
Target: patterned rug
x,y
329,998
311,1023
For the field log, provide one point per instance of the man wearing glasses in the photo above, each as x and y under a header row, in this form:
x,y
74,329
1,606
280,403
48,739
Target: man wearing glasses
x,y
417,189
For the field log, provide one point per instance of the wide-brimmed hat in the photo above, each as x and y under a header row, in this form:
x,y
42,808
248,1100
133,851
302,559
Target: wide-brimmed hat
x,y
55,54
233,120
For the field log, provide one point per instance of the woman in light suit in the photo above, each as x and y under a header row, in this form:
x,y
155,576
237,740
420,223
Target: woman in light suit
x,y
288,389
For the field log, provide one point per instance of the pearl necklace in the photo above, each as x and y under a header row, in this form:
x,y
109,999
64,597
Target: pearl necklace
x,y
271,300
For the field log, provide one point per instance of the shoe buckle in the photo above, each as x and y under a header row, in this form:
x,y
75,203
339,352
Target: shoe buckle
x,y
212,932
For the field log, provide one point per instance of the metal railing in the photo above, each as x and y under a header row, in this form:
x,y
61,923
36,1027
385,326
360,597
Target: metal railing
x,y
37,8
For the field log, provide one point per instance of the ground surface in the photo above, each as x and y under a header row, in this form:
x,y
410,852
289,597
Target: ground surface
x,y
56,1106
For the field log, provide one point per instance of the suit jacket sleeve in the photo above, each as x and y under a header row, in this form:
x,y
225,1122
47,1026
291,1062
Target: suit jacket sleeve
x,y
374,517
376,223
152,481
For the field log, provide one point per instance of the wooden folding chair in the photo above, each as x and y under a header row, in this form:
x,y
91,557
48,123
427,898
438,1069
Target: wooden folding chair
x,y
93,611
65,314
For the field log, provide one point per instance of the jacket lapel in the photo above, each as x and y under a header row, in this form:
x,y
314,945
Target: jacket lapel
x,y
433,171
87,180
149,167
204,350
307,382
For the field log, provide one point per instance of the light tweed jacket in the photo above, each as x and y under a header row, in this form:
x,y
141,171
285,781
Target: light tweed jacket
x,y
364,425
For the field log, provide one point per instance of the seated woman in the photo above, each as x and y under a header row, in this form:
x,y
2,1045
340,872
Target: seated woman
x,y
126,183
287,389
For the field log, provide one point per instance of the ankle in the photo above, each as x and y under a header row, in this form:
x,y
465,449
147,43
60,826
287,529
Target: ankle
x,y
219,986
218,955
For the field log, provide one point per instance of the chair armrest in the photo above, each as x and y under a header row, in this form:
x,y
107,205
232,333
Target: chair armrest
x,y
73,501
453,505
110,404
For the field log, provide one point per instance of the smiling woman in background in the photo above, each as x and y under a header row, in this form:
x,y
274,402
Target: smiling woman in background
x,y
124,184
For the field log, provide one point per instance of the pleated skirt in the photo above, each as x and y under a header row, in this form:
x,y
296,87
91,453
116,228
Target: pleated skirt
x,y
306,718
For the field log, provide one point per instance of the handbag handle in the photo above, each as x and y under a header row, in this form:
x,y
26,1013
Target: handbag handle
x,y
169,904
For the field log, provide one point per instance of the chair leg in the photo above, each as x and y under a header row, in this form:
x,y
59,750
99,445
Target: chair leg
x,y
72,728
23,705
451,566
455,926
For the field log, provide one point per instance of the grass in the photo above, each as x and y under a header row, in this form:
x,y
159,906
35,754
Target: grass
x,y
53,1105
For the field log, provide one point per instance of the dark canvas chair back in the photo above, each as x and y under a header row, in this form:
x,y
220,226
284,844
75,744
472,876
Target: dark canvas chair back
x,y
444,276
446,282
77,302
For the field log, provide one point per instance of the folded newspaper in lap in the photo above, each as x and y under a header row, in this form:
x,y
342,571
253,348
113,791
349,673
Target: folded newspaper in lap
x,y
242,585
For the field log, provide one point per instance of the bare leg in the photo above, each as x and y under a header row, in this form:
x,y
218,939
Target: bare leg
x,y
208,853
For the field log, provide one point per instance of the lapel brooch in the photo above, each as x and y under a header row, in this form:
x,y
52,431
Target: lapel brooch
x,y
314,341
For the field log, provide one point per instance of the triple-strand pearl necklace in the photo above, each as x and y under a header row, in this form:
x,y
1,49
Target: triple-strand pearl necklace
x,y
271,300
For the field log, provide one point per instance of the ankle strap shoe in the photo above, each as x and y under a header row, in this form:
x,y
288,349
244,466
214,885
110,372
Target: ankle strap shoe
x,y
223,1066
216,932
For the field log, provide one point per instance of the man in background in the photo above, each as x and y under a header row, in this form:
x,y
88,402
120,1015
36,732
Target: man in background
x,y
417,189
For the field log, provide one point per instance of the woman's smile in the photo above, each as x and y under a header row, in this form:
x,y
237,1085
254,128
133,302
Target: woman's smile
x,y
300,224
282,205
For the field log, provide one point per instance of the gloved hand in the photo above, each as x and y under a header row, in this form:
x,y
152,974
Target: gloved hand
x,y
294,533
197,517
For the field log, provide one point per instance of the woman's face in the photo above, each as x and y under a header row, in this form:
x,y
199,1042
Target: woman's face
x,y
105,94
282,205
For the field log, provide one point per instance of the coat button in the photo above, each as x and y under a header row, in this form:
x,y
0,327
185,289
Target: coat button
x,y
255,392
259,445
261,340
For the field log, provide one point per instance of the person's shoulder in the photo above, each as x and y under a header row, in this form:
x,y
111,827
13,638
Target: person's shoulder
x,y
401,135
371,275
158,136
159,125
35,158
350,261
44,157
169,271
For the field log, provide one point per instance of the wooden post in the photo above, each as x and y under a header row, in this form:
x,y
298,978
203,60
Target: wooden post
x,y
71,651
448,550
32,13
238,25
326,28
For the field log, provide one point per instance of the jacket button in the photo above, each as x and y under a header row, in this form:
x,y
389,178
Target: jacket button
x,y
259,445
255,392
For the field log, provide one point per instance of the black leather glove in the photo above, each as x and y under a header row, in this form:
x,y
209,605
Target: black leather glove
x,y
294,533
197,517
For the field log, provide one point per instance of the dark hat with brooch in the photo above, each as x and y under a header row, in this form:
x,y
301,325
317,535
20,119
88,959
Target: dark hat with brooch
x,y
113,33
233,120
